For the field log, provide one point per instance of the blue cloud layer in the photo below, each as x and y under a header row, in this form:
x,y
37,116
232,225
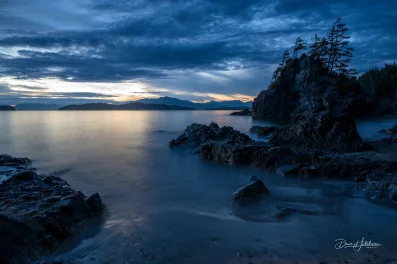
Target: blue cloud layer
x,y
162,41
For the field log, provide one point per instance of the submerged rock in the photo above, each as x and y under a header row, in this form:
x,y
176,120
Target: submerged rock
x,y
281,212
251,192
244,112
37,213
263,130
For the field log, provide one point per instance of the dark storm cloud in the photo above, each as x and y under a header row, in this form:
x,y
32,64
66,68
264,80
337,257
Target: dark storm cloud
x,y
112,41
64,40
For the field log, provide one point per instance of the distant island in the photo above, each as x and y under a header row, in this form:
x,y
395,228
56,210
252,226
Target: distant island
x,y
35,106
228,108
129,106
7,108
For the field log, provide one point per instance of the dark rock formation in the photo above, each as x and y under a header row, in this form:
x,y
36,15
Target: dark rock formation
x,y
272,103
287,170
318,145
320,130
305,86
381,185
263,130
251,193
244,112
391,131
196,134
7,108
37,213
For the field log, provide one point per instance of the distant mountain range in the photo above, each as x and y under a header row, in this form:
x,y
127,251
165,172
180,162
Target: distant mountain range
x,y
129,106
162,103
216,105
27,106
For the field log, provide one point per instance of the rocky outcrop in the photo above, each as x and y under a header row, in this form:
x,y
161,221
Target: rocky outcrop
x,y
38,212
324,130
252,192
273,103
197,134
304,85
244,112
263,131
314,146
381,185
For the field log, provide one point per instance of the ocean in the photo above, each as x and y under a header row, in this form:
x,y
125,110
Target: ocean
x,y
170,206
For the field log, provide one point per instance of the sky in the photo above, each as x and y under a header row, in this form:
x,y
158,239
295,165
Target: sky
x,y
75,51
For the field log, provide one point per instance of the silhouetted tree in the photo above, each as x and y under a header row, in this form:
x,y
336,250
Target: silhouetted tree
x,y
323,51
315,48
339,54
299,45
286,57
331,38
319,49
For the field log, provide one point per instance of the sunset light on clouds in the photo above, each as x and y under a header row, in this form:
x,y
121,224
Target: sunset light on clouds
x,y
113,51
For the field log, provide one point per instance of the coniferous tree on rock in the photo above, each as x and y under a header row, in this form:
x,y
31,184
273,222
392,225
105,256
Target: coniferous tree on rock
x,y
339,53
317,81
280,67
299,45
319,50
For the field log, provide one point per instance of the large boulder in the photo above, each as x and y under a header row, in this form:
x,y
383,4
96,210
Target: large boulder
x,y
252,192
324,130
38,213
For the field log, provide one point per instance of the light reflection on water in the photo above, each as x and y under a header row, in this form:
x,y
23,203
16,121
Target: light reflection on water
x,y
168,206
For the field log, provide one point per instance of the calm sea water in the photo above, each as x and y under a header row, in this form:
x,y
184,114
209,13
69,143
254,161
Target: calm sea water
x,y
168,206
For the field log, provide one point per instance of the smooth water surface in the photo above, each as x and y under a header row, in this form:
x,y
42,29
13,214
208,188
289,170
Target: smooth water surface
x,y
169,206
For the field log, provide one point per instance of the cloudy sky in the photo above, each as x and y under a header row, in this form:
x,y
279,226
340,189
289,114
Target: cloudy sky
x,y
69,51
